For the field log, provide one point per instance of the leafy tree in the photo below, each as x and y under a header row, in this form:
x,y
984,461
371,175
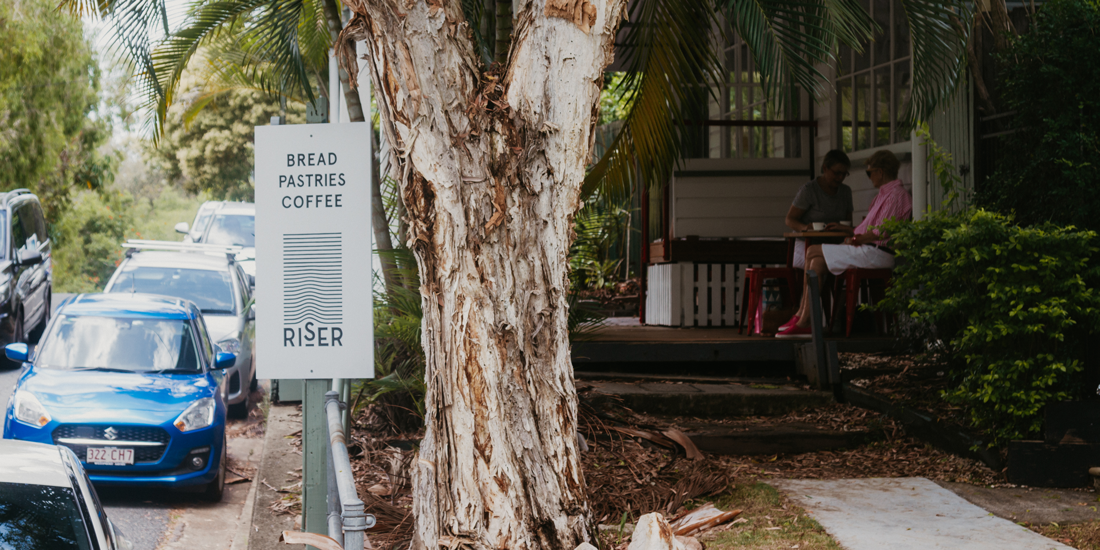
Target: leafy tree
x,y
211,150
49,81
1051,166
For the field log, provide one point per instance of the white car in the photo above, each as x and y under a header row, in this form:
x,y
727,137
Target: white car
x,y
47,501
225,223
216,283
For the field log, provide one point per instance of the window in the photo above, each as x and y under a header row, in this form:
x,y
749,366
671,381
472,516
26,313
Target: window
x,y
741,98
18,229
211,290
121,344
873,86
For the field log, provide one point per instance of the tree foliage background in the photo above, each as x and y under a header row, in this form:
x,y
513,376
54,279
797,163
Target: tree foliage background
x,y
50,133
211,149
1051,79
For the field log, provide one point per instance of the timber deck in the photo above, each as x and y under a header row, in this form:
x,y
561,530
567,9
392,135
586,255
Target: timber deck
x,y
624,345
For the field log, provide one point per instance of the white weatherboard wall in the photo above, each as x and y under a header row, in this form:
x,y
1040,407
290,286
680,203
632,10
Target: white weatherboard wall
x,y
707,205
313,252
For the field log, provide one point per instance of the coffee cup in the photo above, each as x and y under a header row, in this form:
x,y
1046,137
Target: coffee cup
x,y
846,224
818,226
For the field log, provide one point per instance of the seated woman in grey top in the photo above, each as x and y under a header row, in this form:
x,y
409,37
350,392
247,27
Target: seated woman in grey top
x,y
825,199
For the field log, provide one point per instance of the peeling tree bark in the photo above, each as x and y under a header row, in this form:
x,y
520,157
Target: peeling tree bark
x,y
490,166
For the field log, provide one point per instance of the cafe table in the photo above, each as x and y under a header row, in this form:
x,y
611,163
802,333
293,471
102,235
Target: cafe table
x,y
812,237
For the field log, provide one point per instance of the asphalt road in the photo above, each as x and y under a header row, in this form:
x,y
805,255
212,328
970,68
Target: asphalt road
x,y
141,515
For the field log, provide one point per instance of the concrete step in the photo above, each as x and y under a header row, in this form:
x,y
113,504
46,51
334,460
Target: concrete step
x,y
705,400
791,438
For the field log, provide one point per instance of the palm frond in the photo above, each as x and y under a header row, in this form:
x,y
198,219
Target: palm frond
x,y
940,31
474,10
175,53
788,39
275,36
668,61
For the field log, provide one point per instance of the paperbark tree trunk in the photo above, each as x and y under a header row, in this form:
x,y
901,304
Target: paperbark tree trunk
x,y
490,167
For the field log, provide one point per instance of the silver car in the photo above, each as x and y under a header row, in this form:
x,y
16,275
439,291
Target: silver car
x,y
47,501
225,223
215,282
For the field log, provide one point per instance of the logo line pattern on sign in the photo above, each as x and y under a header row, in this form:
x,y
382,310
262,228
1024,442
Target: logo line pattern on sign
x,y
313,277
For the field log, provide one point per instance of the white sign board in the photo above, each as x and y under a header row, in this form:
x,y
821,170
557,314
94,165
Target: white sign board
x,y
313,252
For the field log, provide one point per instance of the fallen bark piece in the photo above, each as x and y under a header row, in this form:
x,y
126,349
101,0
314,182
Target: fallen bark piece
x,y
702,518
380,490
680,437
320,542
691,543
656,439
653,533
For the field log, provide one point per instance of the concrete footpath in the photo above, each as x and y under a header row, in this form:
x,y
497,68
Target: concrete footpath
x,y
280,469
906,513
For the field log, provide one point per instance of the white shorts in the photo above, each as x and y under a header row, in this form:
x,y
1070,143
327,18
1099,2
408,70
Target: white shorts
x,y
842,257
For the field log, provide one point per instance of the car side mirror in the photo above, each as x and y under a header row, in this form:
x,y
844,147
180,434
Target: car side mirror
x,y
251,316
182,227
222,360
30,257
17,352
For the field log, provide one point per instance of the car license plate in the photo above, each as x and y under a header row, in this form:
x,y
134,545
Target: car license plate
x,y
110,456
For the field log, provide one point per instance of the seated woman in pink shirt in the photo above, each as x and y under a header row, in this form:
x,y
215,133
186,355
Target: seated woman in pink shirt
x,y
866,248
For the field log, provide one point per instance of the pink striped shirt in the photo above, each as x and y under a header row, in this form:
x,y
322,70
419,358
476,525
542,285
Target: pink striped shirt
x,y
892,201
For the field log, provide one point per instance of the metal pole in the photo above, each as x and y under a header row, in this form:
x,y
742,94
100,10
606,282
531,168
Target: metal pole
x,y
355,519
920,176
335,523
818,328
345,397
314,457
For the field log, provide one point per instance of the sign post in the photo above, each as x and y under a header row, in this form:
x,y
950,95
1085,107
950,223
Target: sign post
x,y
314,274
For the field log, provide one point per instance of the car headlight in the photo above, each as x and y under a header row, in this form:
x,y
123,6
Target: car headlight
x,y
29,410
230,345
199,415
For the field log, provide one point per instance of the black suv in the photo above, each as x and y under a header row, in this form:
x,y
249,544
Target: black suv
x,y
27,273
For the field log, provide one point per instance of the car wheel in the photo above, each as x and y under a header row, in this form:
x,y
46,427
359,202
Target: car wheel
x,y
216,488
255,384
240,410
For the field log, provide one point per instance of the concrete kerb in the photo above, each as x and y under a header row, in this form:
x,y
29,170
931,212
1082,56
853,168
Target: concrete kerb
x,y
276,470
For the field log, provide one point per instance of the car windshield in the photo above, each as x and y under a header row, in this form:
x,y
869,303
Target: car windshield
x,y
211,290
40,517
233,229
120,344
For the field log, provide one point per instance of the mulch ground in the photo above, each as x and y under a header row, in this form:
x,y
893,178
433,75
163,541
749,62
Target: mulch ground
x,y
629,476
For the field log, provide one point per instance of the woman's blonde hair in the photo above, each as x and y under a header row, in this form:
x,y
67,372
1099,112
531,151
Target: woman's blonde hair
x,y
886,161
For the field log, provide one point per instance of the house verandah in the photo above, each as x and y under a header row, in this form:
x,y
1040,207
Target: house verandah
x,y
723,209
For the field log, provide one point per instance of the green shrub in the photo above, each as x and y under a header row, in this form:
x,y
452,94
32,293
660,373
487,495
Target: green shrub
x,y
1010,306
1051,79
86,240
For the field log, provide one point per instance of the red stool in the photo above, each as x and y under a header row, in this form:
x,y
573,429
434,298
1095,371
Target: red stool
x,y
853,282
753,293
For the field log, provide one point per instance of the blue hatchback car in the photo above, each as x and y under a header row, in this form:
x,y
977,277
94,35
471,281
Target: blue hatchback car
x,y
132,384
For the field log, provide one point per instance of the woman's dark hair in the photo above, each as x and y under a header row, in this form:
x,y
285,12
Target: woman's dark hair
x,y
835,157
